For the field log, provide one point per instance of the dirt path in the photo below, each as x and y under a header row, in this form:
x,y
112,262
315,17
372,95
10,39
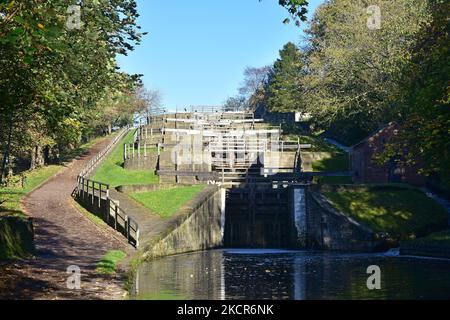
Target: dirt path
x,y
63,237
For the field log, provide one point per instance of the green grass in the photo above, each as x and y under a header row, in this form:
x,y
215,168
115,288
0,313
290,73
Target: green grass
x,y
439,239
166,202
339,161
14,194
399,212
16,238
13,239
108,264
72,154
92,217
317,143
113,173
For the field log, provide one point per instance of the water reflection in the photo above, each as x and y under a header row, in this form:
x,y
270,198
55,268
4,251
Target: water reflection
x,y
277,274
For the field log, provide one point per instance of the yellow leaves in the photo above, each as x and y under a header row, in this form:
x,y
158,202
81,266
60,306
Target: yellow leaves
x,y
41,26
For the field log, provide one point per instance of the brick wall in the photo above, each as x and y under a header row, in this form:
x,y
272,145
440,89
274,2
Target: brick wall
x,y
367,170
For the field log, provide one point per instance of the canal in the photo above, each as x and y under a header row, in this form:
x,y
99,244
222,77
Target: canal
x,y
280,274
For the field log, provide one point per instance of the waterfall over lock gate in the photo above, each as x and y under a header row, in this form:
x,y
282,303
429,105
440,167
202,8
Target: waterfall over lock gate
x,y
300,214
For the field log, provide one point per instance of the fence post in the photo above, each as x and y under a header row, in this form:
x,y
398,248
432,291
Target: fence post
x,y
78,186
87,188
127,230
137,237
115,216
145,149
125,151
93,192
100,195
139,149
108,210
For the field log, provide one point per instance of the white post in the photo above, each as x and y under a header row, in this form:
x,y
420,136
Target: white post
x,y
222,212
137,237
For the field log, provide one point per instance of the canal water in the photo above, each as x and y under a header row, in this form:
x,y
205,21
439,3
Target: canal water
x,y
280,274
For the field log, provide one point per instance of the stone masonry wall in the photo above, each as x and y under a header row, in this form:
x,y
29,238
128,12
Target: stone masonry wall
x,y
199,227
142,163
329,229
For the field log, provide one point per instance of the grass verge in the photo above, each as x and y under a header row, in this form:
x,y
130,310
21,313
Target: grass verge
x,y
401,212
92,217
112,172
108,264
437,239
166,202
11,196
337,162
15,238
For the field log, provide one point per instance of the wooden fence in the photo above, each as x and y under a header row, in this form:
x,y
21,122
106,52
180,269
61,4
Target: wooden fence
x,y
96,160
95,196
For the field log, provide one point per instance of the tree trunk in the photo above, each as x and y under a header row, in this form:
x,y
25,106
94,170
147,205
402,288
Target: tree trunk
x,y
109,128
37,157
5,161
33,159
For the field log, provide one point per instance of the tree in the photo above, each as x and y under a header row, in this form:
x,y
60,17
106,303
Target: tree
x,y
152,102
52,76
425,96
237,103
354,71
285,90
254,85
296,8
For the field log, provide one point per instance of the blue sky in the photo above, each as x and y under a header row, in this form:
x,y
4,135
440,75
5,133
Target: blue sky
x,y
196,50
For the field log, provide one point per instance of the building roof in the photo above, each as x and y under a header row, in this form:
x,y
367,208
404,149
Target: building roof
x,y
389,125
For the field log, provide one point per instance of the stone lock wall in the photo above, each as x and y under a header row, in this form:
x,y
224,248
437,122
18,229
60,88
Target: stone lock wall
x,y
199,227
329,229
149,162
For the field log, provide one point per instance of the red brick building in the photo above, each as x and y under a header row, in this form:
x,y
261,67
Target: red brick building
x,y
367,170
